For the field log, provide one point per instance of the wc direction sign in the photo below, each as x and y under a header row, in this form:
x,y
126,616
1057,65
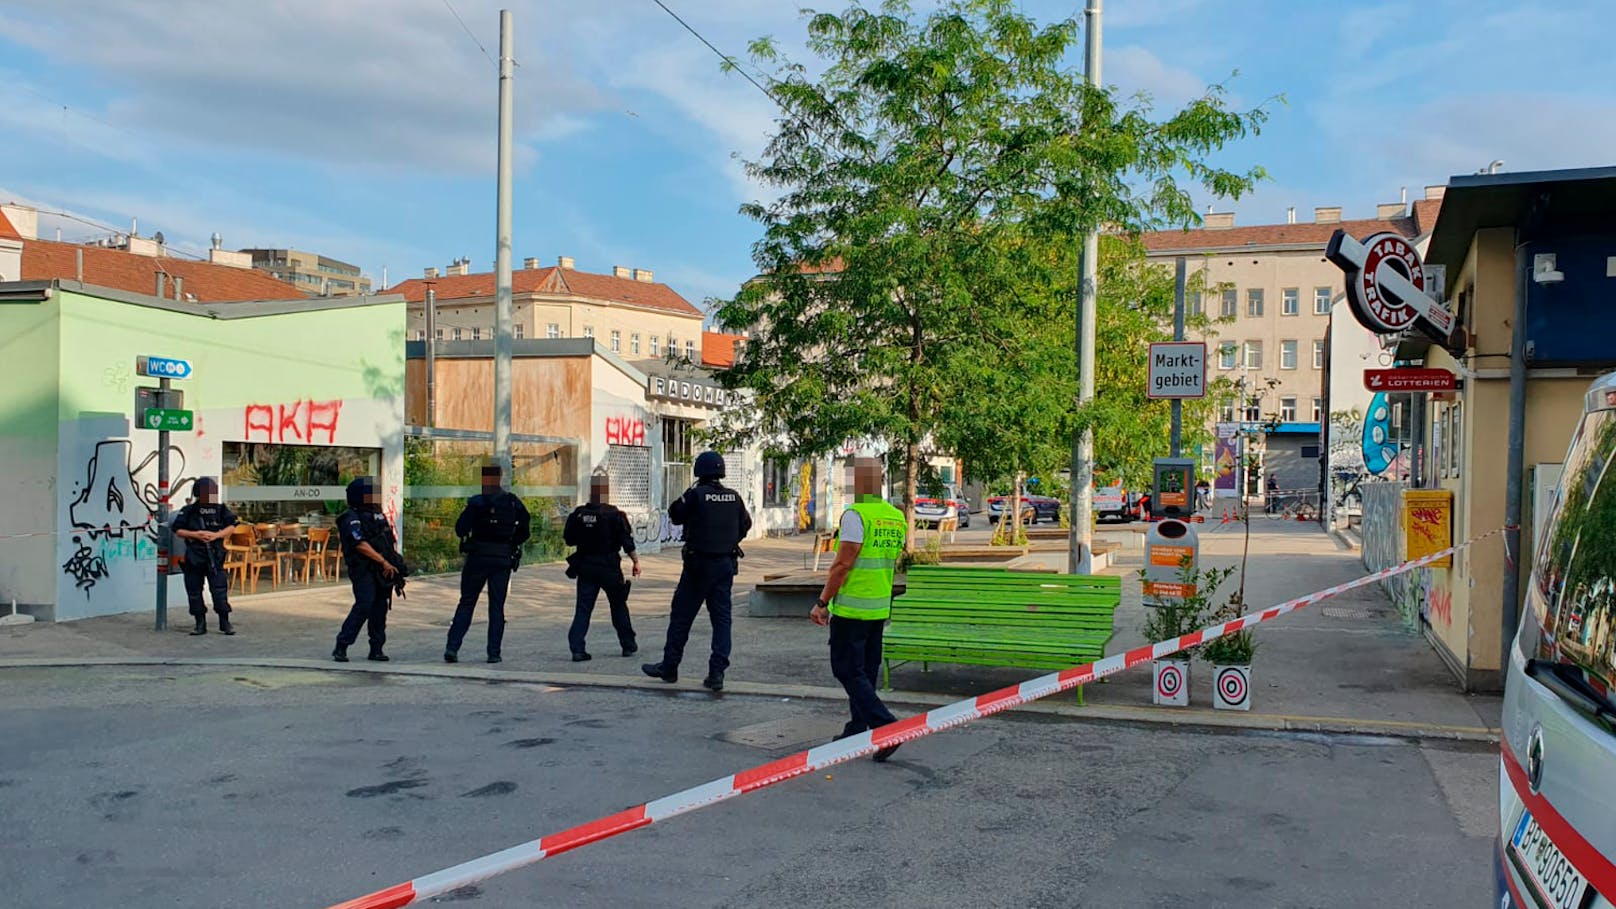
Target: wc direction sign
x,y
163,367
1177,370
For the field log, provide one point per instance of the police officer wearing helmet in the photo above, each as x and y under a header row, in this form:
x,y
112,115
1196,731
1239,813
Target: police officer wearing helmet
x,y
374,568
600,531
492,529
715,521
203,524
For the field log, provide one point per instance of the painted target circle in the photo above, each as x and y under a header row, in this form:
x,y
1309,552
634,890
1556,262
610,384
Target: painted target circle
x,y
1231,684
1169,681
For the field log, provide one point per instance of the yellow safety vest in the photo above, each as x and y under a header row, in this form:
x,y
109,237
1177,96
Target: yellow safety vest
x,y
867,593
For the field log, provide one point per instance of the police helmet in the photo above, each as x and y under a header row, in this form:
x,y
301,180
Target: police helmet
x,y
709,465
358,490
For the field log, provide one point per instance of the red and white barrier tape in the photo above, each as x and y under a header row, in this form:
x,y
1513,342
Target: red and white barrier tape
x,y
815,759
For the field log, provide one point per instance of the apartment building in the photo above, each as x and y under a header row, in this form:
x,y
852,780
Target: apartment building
x,y
312,273
626,311
1271,292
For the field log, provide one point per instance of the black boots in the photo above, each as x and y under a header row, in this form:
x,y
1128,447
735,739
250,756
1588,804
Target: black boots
x,y
201,626
376,656
495,658
224,626
659,671
630,648
449,656
714,680
340,653
581,657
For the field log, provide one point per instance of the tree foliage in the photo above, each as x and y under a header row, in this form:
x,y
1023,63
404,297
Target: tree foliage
x,y
933,173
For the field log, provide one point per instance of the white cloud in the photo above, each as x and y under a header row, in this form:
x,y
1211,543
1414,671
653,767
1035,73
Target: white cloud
x,y
1134,69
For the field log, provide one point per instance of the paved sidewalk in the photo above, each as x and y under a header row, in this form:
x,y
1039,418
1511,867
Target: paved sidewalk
x,y
1345,665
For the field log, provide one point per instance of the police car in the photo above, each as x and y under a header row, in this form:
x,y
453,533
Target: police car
x,y
1556,801
930,510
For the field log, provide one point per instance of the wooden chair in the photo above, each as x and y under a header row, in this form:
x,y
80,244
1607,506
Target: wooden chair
x,y
260,554
313,554
333,554
824,543
238,548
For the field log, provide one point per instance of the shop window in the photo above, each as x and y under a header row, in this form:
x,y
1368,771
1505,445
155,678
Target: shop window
x,y
1290,301
777,482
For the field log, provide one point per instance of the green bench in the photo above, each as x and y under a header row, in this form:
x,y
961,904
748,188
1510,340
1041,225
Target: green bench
x,y
993,617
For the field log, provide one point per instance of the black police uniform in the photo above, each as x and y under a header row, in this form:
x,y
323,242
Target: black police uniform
x,y
373,594
494,526
204,562
715,521
600,531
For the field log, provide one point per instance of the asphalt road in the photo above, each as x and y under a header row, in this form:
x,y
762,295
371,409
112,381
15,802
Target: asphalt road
x,y
216,788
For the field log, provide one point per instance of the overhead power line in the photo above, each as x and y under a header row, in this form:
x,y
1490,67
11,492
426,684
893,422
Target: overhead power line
x,y
728,60
469,33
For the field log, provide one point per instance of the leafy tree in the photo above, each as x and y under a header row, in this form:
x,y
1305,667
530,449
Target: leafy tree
x,y
933,173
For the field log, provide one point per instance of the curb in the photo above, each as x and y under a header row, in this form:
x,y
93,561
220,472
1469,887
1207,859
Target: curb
x,y
1185,718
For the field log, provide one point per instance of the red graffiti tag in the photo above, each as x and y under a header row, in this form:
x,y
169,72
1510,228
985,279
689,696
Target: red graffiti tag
x,y
1441,607
296,422
625,431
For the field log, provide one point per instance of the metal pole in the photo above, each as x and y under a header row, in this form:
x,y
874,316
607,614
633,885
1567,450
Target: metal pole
x,y
1179,278
163,541
1513,491
431,356
502,258
1080,554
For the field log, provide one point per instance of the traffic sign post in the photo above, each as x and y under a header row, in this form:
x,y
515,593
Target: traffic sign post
x,y
162,412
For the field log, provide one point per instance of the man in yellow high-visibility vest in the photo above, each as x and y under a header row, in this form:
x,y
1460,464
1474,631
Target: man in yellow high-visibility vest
x,y
857,597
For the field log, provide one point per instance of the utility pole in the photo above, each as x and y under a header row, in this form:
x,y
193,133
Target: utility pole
x,y
1179,272
1080,544
431,355
502,259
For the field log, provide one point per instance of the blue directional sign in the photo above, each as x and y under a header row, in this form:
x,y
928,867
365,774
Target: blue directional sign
x,y
163,367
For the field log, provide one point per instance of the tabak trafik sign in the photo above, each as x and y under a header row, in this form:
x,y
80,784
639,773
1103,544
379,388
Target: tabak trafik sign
x,y
1388,287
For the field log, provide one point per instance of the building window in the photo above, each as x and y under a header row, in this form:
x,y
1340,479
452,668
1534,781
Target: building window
x,y
776,482
690,350
589,331
1287,355
1321,301
1287,410
437,334
1253,409
1318,409
1193,304
1231,304
1254,302
634,344
1226,412
655,343
617,341
457,334
420,334
476,334
1227,354
552,330
517,329
1290,301
1254,355
1318,353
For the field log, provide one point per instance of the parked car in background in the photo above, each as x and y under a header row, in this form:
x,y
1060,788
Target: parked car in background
x,y
1557,839
1112,503
1034,508
930,510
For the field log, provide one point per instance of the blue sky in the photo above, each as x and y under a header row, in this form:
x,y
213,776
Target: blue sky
x,y
364,129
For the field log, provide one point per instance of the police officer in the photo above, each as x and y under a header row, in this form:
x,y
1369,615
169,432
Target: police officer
x,y
492,529
203,525
374,568
857,598
600,531
715,522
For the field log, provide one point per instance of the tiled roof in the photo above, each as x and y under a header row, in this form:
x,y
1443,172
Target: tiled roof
x,y
1420,222
718,348
552,280
7,232
43,260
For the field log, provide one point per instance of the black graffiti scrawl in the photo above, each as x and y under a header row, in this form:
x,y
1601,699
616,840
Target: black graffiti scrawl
x,y
84,566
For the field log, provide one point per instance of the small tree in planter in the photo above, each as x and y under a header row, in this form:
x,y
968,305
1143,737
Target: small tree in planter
x,y
1176,617
1230,657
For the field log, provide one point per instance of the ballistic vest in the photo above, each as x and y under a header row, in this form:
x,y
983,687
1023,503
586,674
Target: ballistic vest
x,y
867,594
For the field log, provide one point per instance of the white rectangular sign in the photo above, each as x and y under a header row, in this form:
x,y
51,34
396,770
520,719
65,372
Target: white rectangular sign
x,y
1177,370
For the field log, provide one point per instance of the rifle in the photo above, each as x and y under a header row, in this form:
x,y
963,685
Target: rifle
x,y
383,544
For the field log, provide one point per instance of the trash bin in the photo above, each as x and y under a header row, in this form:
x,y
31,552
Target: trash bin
x,y
1167,543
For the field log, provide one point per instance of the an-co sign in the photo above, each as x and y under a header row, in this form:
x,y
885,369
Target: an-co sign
x,y
1386,283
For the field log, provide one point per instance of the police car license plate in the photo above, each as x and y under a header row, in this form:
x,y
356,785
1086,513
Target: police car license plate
x,y
1558,884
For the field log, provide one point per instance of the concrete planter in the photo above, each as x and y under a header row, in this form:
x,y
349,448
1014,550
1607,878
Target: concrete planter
x,y
1231,687
1172,683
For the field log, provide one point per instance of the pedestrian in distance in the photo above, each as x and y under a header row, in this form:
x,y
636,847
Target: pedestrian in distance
x,y
1271,496
203,524
857,598
375,569
1203,495
715,522
492,528
601,532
